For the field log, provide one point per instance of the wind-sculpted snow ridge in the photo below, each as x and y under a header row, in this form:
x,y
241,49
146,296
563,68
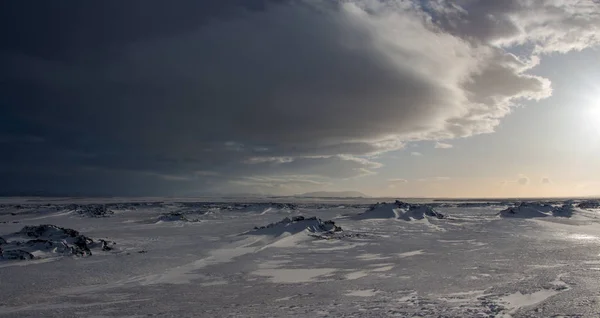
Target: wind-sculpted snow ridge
x,y
295,225
589,204
42,241
566,211
399,210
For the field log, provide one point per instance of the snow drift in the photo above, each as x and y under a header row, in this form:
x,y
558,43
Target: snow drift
x,y
295,225
43,240
399,210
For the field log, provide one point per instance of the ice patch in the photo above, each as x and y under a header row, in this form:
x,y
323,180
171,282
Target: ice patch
x,y
284,298
383,269
518,300
411,253
583,237
340,247
363,293
214,283
463,297
369,257
356,275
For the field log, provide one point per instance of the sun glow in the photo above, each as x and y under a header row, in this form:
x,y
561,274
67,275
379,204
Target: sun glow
x,y
594,113
592,110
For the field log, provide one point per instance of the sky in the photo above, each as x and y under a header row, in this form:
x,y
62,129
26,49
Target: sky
x,y
398,98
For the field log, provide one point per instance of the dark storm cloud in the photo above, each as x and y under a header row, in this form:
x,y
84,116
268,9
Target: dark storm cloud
x,y
202,93
64,30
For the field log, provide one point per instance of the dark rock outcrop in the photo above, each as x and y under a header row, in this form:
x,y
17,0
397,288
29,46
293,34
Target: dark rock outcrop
x,y
15,255
49,239
400,210
94,210
297,224
172,217
589,204
521,212
565,211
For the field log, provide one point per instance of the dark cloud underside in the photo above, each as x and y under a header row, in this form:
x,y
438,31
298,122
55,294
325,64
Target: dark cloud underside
x,y
159,97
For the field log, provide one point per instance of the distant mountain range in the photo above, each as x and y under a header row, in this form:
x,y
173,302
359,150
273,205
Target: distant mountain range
x,y
333,194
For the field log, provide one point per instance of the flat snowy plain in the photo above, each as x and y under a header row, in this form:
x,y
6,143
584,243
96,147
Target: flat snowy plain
x,y
178,258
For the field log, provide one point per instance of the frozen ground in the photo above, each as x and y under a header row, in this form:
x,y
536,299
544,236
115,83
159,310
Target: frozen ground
x,y
193,259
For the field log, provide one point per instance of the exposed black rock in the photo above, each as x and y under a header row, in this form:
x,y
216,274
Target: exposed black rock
x,y
15,255
297,224
172,217
47,230
589,204
521,211
93,210
50,239
565,211
399,210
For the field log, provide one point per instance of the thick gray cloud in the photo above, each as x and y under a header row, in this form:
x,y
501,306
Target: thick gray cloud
x,y
282,88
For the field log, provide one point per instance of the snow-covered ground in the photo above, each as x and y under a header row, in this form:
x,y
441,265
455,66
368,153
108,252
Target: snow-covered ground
x,y
175,258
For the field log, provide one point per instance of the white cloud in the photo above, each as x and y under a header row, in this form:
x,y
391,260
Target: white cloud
x,y
415,153
441,145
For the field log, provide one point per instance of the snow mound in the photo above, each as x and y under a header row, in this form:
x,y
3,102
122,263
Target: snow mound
x,y
295,225
399,210
43,240
92,210
565,211
173,217
522,211
589,204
